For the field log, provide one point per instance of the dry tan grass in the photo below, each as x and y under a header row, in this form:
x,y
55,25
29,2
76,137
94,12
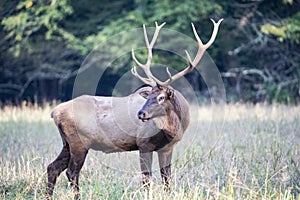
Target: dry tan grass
x,y
235,151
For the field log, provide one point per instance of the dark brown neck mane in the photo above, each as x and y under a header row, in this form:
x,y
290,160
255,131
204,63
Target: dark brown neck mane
x,y
174,122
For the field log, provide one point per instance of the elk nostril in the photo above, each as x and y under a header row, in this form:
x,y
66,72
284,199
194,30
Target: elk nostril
x,y
142,114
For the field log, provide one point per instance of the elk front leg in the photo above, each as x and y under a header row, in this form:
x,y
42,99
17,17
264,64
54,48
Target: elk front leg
x,y
146,165
165,167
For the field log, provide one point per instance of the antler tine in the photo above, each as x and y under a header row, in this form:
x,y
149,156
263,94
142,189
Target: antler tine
x,y
135,60
146,66
146,36
189,58
150,46
196,35
215,32
157,29
201,49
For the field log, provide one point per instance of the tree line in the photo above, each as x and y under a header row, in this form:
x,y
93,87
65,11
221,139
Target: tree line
x,y
44,42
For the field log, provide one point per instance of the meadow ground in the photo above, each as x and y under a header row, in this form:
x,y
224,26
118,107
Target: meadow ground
x,y
228,152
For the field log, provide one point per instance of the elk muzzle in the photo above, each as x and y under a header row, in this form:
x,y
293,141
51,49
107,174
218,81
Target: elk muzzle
x,y
143,115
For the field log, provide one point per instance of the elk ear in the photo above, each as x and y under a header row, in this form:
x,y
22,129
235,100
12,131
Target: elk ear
x,y
144,94
170,93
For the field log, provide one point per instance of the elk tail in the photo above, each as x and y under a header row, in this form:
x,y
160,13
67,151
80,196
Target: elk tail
x,y
52,113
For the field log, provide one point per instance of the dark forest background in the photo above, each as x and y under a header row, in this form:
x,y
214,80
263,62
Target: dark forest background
x,y
44,42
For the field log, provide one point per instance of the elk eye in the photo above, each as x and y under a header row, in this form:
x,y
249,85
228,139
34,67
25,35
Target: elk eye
x,y
160,98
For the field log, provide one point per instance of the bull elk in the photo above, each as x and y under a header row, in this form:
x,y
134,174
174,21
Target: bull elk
x,y
159,117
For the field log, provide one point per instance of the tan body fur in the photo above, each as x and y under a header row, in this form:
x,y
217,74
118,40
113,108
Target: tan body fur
x,y
109,124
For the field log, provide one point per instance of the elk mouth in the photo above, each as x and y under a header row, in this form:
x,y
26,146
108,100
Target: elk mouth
x,y
145,119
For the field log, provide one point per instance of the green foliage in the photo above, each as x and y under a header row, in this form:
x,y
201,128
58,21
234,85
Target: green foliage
x,y
289,29
41,16
177,14
44,16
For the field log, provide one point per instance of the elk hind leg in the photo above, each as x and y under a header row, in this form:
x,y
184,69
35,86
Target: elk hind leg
x,y
56,167
78,155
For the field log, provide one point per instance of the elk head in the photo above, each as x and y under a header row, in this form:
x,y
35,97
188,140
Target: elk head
x,y
157,104
160,100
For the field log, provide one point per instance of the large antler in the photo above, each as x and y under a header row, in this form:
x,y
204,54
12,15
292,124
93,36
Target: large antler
x,y
192,64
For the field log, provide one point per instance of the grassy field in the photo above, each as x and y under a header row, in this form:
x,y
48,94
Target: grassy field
x,y
229,152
